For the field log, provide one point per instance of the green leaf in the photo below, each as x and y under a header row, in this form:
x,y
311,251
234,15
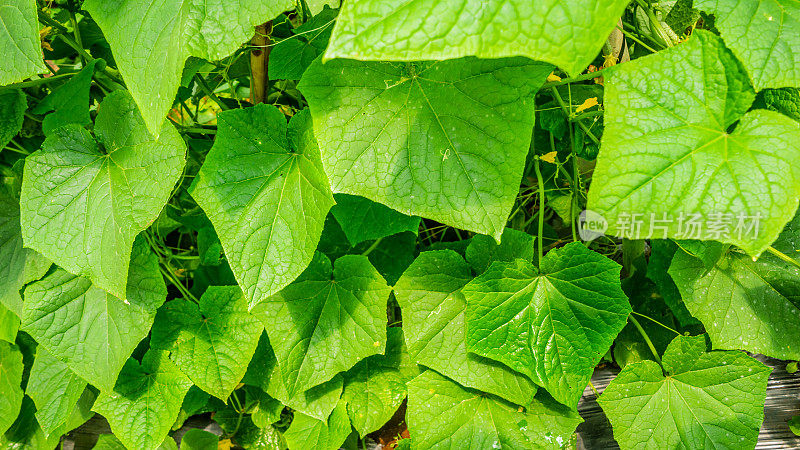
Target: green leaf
x,y
89,329
419,138
552,324
213,340
661,253
743,304
265,191
483,250
54,389
10,380
442,414
785,101
84,201
375,387
25,433
264,372
362,219
292,56
327,320
145,401
769,55
9,324
159,36
18,265
669,159
794,425
19,41
706,400
70,102
433,306
308,432
197,439
391,255
13,103
568,33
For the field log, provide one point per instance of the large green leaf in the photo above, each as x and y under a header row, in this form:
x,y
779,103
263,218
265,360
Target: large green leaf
x,y
362,219
19,41
308,432
18,265
376,386
13,103
772,48
85,200
327,320
264,189
482,251
86,327
26,433
54,389
567,33
706,400
152,39
145,402
442,414
10,380
419,138
211,342
552,324
744,304
433,306
669,160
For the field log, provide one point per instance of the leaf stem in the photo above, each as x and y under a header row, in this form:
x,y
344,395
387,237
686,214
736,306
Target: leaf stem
x,y
783,256
657,322
575,79
568,112
646,338
540,181
372,247
209,92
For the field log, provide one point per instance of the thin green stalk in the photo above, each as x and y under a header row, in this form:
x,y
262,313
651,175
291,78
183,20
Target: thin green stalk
x,y
575,79
586,115
372,247
209,92
635,39
594,389
38,81
657,322
646,338
783,256
568,113
540,235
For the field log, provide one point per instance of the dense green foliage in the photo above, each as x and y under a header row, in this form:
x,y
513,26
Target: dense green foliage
x,y
442,217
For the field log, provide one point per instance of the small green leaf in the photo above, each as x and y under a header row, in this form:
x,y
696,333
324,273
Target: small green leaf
x,y
13,103
214,340
54,389
145,401
18,265
265,191
89,329
70,102
291,56
197,439
160,35
308,432
85,200
552,324
442,414
670,166
375,387
433,306
770,54
10,380
706,400
418,137
483,250
743,304
327,320
567,33
19,41
794,425
362,219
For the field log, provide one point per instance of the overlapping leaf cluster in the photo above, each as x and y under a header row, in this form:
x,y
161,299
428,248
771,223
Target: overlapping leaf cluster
x,y
390,246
